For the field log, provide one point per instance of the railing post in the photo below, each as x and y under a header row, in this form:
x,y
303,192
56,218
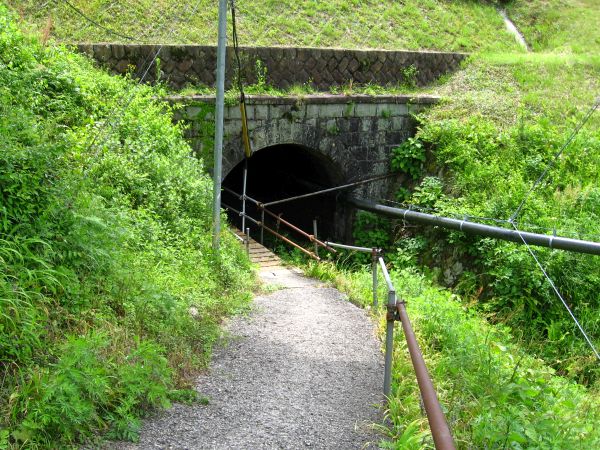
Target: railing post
x,y
248,241
262,226
389,343
315,235
374,257
245,182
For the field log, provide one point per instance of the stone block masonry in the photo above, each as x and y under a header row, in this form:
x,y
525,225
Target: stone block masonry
x,y
281,67
354,134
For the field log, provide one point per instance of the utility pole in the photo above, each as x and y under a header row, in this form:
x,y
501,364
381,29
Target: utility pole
x,y
220,106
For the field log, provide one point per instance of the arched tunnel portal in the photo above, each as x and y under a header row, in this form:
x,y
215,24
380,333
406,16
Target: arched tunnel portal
x,y
287,170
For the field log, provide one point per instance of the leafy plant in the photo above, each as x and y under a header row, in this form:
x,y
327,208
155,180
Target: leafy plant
x,y
409,157
104,219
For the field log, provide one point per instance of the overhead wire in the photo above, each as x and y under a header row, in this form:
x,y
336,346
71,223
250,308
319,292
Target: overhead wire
x,y
240,83
512,218
558,294
94,22
512,221
146,66
555,158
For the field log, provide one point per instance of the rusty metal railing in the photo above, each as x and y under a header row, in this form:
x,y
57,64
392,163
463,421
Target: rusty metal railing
x,y
244,240
261,224
396,311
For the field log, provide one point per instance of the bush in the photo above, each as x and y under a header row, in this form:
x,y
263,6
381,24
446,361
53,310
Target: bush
x,y
104,248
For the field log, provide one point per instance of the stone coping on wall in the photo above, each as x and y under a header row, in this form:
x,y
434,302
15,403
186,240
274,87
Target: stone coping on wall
x,y
317,99
280,67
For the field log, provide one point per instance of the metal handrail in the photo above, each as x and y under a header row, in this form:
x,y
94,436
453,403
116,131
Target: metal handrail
x,y
435,416
275,233
261,206
244,240
396,310
235,235
349,247
333,189
310,237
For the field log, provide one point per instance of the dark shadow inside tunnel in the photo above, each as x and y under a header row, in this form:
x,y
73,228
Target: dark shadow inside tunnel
x,y
284,171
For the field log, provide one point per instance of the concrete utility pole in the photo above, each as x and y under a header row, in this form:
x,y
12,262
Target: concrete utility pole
x,y
220,106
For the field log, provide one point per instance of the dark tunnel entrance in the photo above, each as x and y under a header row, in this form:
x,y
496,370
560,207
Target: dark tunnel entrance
x,y
284,171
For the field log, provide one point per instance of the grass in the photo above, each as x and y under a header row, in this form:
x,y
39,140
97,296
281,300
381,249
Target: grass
x,y
503,116
232,95
493,393
105,250
412,24
562,26
503,119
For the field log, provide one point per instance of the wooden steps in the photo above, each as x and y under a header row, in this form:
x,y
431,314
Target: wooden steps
x,y
261,255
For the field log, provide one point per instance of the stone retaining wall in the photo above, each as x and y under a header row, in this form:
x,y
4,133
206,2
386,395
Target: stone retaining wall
x,y
281,67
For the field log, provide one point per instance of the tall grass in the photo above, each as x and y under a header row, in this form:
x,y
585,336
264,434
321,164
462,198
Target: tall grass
x,y
494,394
105,248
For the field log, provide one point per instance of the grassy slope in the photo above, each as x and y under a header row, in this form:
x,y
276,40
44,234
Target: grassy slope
x,y
504,118
104,248
563,26
411,24
505,114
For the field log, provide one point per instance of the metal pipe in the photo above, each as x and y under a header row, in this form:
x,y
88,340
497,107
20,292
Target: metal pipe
x,y
275,233
348,247
226,189
236,236
315,235
437,421
389,345
374,268
262,231
386,274
296,229
244,185
542,240
325,191
248,241
292,243
220,107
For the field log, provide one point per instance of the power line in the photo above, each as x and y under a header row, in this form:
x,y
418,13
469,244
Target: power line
x,y
94,22
145,73
589,341
554,159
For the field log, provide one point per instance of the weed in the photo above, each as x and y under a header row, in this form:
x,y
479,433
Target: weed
x,y
410,24
409,157
104,248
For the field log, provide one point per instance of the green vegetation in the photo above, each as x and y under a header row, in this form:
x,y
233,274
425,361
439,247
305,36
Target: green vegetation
x,y
110,296
494,394
104,247
562,26
504,119
411,24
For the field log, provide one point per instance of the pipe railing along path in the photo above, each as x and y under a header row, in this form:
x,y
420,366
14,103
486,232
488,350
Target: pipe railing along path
x,y
396,310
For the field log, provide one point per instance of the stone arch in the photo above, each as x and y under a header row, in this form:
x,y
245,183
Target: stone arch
x,y
285,170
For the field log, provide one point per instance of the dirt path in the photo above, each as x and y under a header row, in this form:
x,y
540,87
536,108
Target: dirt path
x,y
303,370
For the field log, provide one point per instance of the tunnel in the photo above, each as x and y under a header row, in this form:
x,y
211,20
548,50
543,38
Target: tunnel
x,y
284,171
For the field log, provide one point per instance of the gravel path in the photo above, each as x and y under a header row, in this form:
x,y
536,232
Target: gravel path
x,y
303,370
